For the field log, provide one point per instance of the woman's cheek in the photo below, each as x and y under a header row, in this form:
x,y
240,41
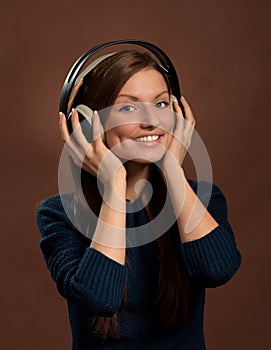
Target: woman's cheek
x,y
110,139
168,122
114,136
169,139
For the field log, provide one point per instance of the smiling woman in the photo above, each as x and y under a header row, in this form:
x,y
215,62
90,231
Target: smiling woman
x,y
150,121
147,296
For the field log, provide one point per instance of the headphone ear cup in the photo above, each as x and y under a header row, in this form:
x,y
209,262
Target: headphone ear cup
x,y
172,99
86,113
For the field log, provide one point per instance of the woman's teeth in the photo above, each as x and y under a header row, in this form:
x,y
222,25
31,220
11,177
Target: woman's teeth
x,y
147,138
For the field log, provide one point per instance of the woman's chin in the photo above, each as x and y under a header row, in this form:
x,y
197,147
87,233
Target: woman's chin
x,y
144,158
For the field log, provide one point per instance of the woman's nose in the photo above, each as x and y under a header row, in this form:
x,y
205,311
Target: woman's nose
x,y
149,118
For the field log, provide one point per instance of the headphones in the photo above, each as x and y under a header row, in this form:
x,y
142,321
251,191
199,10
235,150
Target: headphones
x,y
74,75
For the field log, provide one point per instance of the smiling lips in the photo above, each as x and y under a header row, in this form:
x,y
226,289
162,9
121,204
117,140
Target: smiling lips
x,y
149,138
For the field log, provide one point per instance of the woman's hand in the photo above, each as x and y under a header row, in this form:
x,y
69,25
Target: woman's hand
x,y
181,138
94,157
109,236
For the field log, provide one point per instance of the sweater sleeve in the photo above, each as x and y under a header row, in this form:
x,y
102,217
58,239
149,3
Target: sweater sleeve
x,y
84,276
213,259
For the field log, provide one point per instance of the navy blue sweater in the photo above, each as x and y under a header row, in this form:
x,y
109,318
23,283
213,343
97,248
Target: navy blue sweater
x,y
93,284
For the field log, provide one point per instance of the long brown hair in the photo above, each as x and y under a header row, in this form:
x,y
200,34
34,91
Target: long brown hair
x,y
99,90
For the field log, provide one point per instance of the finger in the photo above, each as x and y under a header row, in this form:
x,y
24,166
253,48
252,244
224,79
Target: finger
x,y
189,121
189,116
179,117
64,132
77,133
96,127
177,107
75,119
63,128
73,149
77,153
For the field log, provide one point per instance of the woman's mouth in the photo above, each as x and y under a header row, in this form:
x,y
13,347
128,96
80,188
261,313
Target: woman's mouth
x,y
149,138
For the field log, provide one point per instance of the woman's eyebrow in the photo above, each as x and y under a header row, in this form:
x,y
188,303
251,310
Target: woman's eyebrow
x,y
135,98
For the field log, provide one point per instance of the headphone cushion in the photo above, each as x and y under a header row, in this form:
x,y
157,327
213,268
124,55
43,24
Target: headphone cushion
x,y
87,113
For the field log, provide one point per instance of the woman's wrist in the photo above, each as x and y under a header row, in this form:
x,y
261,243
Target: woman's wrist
x,y
172,175
115,194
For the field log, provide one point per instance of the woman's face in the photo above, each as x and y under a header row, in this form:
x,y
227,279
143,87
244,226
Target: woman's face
x,y
140,121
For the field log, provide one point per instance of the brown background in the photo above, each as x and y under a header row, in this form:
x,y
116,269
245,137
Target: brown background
x,y
221,50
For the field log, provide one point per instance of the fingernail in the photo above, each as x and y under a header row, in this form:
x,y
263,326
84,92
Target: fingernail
x,y
182,97
60,115
95,114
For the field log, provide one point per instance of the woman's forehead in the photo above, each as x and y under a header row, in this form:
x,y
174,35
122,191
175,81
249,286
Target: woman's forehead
x,y
144,83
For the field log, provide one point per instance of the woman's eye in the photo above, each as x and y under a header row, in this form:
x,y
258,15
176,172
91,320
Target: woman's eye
x,y
162,104
127,108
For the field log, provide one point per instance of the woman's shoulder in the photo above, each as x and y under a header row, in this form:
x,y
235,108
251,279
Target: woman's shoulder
x,y
205,189
55,203
212,198
54,208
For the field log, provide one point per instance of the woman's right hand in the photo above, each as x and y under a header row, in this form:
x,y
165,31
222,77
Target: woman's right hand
x,y
94,157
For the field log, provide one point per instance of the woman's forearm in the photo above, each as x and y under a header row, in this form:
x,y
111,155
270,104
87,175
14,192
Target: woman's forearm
x,y
110,233
193,219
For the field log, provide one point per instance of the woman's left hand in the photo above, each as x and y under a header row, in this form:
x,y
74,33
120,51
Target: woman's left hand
x,y
181,138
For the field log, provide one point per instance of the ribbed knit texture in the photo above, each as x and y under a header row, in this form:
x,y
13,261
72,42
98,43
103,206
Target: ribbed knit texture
x,y
93,284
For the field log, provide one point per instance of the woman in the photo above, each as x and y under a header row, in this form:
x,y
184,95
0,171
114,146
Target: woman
x,y
150,296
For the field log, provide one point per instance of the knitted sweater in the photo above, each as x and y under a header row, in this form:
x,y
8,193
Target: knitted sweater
x,y
93,284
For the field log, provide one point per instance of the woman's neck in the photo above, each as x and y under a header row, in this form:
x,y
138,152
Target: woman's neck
x,y
135,172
